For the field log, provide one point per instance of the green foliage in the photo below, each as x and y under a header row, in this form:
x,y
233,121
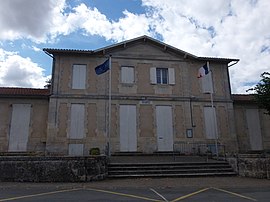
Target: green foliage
x,y
262,92
48,83
94,151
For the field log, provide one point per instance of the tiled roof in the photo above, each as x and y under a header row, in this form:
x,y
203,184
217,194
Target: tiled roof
x,y
9,91
243,97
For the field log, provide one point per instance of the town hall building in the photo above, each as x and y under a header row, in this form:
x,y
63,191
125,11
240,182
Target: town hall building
x,y
150,100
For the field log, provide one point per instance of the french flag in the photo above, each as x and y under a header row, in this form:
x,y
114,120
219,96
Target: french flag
x,y
204,70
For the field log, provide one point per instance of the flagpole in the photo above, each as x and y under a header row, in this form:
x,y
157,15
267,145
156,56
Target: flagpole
x,y
110,102
213,112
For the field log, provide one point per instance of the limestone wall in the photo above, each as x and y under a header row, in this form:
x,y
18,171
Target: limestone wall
x,y
252,165
53,169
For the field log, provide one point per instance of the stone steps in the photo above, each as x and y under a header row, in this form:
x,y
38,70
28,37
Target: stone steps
x,y
22,153
187,169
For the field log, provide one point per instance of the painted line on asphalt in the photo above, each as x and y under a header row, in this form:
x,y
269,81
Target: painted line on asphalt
x,y
40,194
122,194
235,194
159,195
191,194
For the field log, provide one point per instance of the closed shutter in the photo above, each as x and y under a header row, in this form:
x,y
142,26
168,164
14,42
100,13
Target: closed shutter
x,y
171,76
19,129
75,149
164,128
210,123
79,77
207,83
153,77
77,121
128,128
127,75
254,129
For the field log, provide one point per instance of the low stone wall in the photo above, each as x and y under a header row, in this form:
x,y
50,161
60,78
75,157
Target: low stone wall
x,y
251,165
53,169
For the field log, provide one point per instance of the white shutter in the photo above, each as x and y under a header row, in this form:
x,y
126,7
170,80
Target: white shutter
x,y
128,128
79,77
171,76
210,123
127,74
75,149
207,83
254,129
19,129
153,75
164,128
77,121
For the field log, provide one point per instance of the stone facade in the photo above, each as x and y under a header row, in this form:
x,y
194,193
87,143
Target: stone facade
x,y
252,125
157,104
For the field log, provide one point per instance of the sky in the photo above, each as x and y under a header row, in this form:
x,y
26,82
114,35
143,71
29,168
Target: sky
x,y
208,28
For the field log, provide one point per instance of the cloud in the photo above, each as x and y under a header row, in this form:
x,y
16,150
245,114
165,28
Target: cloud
x,y
92,22
17,71
28,18
236,29
227,28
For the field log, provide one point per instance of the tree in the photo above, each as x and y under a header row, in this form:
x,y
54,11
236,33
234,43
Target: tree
x,y
262,92
48,83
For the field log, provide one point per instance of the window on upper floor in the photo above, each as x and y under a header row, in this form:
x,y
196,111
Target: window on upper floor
x,y
162,75
78,77
127,75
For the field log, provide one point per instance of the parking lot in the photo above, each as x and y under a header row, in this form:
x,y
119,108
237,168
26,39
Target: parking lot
x,y
142,189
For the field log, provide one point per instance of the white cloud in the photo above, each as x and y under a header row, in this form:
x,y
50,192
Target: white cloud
x,y
20,72
221,28
28,18
95,23
36,49
236,28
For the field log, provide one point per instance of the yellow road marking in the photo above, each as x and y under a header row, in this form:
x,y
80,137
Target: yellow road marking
x,y
189,195
235,194
40,194
122,194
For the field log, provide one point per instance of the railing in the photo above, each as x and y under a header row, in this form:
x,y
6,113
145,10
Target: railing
x,y
198,148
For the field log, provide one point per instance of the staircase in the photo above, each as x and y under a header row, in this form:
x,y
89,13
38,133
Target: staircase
x,y
168,169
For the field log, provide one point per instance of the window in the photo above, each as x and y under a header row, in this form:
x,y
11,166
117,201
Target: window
x,y
127,75
162,75
78,76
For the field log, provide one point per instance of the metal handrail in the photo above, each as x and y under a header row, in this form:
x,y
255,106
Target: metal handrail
x,y
198,148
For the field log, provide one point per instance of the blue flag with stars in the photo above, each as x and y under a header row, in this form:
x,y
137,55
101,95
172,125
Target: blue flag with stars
x,y
104,67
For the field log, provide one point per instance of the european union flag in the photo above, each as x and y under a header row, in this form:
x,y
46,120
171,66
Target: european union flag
x,y
104,67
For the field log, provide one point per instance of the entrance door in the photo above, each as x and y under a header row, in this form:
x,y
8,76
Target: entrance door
x,y
19,129
164,128
128,128
254,129
210,123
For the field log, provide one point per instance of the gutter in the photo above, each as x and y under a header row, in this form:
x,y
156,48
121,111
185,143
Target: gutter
x,y
233,63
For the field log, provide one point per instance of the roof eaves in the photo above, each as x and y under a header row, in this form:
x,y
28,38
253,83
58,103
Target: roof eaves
x,y
243,98
218,59
144,38
23,92
63,51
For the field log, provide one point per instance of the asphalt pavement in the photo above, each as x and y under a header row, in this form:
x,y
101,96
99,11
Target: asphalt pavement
x,y
142,189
